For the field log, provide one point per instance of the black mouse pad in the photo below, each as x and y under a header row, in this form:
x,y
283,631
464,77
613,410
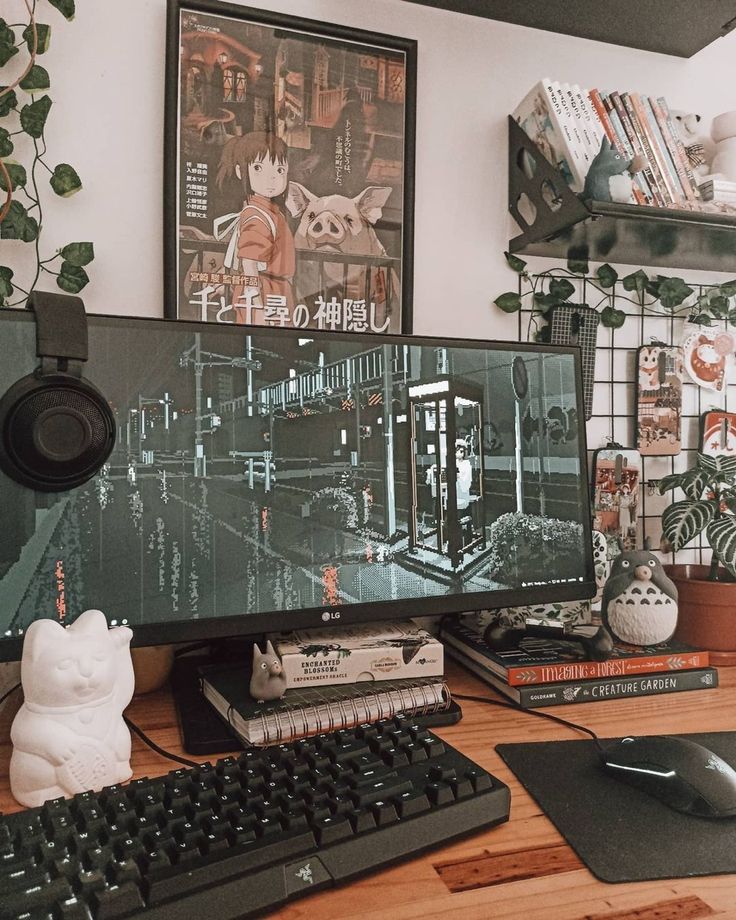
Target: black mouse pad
x,y
620,833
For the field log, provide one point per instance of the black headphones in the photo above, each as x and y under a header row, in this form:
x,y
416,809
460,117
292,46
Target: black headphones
x,y
56,428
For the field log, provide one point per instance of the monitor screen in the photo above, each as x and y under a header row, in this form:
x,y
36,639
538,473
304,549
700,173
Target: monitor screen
x,y
267,479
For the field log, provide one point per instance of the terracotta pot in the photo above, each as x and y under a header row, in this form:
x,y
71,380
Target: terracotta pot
x,y
706,612
152,666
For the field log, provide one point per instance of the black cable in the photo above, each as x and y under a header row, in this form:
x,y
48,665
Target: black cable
x,y
532,712
7,693
152,744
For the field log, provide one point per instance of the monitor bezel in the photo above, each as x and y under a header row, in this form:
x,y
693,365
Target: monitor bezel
x,y
206,628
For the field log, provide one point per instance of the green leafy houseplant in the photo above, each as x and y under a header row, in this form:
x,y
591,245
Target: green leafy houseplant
x,y
708,508
24,110
663,295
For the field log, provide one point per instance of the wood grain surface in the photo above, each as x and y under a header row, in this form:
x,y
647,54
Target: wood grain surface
x,y
522,870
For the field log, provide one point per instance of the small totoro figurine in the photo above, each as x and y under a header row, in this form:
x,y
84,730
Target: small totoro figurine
x,y
639,603
268,681
609,176
69,735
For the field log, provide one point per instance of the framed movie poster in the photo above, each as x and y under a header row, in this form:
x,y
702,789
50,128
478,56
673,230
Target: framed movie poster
x,y
289,156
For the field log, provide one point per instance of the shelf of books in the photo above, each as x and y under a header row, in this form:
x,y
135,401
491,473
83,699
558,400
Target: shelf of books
x,y
663,218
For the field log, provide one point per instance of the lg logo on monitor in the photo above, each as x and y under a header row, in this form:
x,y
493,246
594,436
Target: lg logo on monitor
x,y
328,615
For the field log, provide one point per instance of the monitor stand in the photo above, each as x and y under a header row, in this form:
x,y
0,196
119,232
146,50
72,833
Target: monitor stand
x,y
202,730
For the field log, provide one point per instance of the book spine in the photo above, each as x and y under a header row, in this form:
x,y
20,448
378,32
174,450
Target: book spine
x,y
673,149
614,667
661,145
628,146
581,126
616,688
580,150
590,117
600,110
537,116
651,171
651,147
662,102
575,159
621,117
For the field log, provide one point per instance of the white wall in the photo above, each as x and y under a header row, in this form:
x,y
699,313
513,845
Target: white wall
x,y
107,69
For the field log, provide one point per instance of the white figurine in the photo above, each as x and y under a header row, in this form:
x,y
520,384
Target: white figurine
x,y
268,681
69,735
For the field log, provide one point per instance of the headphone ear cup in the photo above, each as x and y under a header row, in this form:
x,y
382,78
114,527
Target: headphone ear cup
x,y
56,431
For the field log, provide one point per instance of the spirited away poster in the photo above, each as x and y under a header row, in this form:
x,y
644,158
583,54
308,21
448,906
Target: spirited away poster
x,y
289,159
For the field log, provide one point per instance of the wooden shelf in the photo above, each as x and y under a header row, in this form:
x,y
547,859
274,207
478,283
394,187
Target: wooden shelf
x,y
603,231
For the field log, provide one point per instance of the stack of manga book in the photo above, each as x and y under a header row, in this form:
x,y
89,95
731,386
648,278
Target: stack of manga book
x,y
551,672
572,125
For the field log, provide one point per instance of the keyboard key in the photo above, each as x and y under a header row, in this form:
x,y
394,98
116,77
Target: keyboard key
x,y
330,830
116,901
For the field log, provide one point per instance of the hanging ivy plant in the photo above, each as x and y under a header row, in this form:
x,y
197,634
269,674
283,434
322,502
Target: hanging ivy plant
x,y
24,110
668,296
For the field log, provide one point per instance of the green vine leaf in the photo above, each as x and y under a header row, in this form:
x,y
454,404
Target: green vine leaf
x,y
65,181
72,278
612,318
17,175
7,43
43,36
33,117
727,289
18,224
78,254
637,281
6,145
561,288
545,302
607,276
36,80
653,286
718,306
6,286
673,292
509,302
65,7
702,319
514,262
8,102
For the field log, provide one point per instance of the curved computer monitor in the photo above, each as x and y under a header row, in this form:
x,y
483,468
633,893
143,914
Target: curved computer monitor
x,y
267,479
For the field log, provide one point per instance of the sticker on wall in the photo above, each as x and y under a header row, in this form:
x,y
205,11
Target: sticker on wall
x,y
659,400
708,355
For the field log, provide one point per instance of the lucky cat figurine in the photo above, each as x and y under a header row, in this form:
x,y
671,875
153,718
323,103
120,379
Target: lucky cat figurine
x,y
69,735
268,681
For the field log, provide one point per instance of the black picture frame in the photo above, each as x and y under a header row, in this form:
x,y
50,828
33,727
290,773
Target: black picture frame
x,y
343,101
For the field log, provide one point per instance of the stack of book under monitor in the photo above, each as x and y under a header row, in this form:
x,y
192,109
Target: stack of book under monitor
x,y
337,679
547,672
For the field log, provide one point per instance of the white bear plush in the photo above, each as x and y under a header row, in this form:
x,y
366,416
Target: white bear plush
x,y
699,145
69,734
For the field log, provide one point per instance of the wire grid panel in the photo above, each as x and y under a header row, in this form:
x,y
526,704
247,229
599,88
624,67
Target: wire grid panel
x,y
613,418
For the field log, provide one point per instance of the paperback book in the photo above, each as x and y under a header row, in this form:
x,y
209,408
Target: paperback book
x,y
308,711
588,691
545,661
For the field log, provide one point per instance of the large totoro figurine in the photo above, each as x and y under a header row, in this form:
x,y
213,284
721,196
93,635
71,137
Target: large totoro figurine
x,y
268,681
639,603
69,734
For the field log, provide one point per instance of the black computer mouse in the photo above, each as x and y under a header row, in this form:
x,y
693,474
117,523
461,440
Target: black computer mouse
x,y
684,775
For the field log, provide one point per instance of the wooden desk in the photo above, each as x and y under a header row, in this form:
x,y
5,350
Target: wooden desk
x,y
522,870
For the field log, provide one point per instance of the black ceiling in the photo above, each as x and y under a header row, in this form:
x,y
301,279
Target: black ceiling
x,y
679,27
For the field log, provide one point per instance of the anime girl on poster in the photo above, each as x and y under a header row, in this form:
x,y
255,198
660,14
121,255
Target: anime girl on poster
x,y
260,244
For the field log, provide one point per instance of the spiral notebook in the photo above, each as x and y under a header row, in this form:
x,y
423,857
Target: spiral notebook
x,y
306,711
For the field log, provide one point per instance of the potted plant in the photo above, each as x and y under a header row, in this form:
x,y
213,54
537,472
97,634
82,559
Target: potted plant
x,y
706,594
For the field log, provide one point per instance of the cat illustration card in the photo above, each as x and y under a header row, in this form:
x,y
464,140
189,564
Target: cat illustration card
x,y
659,400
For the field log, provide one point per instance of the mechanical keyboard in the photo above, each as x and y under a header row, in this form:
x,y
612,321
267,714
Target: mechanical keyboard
x,y
242,836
